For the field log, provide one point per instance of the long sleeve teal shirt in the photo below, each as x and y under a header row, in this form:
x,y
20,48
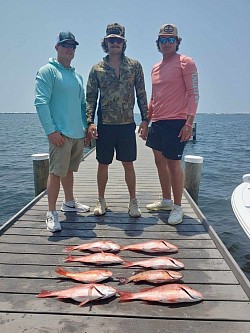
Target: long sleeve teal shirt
x,y
60,100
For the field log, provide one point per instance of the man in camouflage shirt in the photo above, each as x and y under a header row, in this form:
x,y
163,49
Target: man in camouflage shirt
x,y
113,83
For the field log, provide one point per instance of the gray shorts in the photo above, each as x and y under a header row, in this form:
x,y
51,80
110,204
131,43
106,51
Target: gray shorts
x,y
66,157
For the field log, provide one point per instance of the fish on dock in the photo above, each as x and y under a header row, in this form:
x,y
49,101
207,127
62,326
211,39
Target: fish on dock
x,y
153,276
169,293
101,258
92,276
100,246
83,293
157,263
153,246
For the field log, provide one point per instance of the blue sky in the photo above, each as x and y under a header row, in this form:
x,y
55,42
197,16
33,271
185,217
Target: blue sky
x,y
215,33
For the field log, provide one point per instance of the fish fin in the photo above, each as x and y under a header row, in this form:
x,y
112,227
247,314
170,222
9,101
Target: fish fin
x,y
84,302
69,248
69,258
154,249
96,249
61,271
127,263
45,293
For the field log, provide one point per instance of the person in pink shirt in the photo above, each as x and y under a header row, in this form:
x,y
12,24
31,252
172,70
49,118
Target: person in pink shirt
x,y
172,109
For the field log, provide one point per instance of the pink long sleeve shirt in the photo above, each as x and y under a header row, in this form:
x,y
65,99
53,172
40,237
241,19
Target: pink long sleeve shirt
x,y
175,92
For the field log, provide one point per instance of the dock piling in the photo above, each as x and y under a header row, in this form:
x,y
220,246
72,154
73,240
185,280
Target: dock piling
x,y
41,171
192,175
194,129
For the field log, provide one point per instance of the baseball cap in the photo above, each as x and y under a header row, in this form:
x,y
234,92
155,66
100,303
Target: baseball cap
x,y
115,30
66,36
168,30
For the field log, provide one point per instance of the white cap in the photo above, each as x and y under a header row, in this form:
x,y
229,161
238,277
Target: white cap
x,y
193,159
40,157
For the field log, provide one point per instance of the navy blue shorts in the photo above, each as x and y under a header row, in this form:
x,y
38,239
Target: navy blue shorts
x,y
163,136
116,138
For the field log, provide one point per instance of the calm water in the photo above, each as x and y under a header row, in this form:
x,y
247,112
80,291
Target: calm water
x,y
223,141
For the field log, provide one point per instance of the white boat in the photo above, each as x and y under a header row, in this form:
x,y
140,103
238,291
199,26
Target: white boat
x,y
240,202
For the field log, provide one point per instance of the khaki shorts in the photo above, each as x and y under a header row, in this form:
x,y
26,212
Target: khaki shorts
x,y
66,157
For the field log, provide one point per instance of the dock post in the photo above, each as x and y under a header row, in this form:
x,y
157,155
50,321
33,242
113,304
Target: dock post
x,y
194,129
192,175
41,171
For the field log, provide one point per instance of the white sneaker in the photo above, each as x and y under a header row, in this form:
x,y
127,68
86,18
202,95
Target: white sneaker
x,y
133,208
100,208
176,215
52,222
74,206
161,204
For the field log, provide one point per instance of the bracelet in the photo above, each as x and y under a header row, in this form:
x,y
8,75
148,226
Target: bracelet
x,y
188,125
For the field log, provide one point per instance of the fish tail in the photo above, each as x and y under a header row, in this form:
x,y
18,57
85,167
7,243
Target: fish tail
x,y
69,248
127,263
125,296
61,271
69,258
45,293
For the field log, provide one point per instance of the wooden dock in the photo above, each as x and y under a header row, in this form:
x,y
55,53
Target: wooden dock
x,y
29,255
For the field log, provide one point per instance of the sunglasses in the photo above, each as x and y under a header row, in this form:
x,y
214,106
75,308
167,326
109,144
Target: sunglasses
x,y
113,40
68,46
164,40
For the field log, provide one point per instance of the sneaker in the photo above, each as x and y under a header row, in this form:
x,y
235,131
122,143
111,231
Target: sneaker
x,y
52,222
161,204
100,208
133,208
176,215
74,206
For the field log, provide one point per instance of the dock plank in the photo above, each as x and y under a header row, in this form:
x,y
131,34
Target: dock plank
x,y
64,323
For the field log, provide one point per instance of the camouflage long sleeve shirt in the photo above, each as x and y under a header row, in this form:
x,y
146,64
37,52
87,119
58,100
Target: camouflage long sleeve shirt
x,y
116,94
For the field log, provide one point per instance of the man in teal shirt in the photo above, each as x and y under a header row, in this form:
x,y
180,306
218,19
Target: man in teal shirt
x,y
61,107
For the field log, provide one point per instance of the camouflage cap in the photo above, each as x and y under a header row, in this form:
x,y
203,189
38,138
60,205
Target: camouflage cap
x,y
115,30
168,30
